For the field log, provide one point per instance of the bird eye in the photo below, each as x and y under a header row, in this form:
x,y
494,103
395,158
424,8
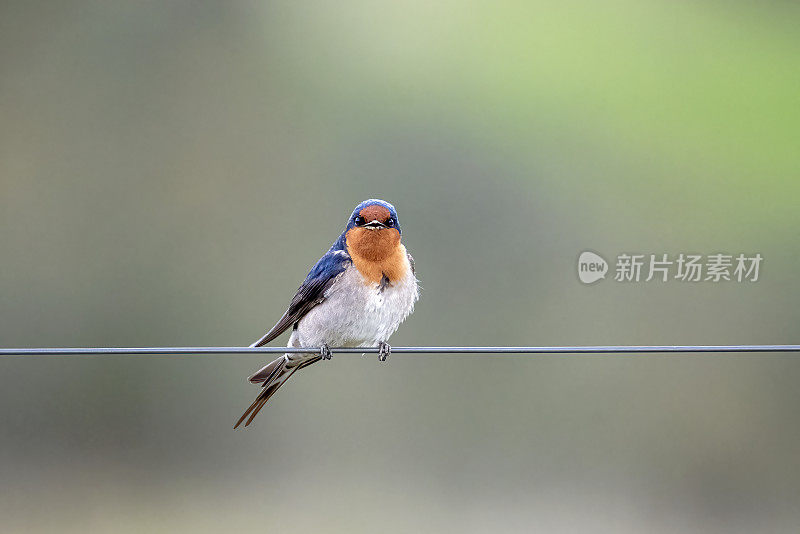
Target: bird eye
x,y
390,222
360,221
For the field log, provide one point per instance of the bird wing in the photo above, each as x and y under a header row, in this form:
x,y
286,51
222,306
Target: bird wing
x,y
310,293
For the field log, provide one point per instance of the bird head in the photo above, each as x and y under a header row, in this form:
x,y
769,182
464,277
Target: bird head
x,y
373,230
374,214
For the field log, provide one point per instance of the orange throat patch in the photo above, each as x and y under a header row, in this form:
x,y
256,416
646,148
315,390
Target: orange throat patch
x,y
377,253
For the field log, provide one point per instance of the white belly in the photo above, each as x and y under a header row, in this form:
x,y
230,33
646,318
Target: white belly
x,y
357,314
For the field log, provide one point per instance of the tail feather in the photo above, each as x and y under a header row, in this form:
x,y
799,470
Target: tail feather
x,y
271,377
266,373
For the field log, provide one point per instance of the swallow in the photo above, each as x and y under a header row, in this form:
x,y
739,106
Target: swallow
x,y
356,295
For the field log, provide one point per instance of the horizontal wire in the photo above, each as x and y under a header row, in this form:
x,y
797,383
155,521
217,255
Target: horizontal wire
x,y
595,349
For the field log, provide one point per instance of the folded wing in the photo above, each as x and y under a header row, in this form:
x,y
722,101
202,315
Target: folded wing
x,y
310,293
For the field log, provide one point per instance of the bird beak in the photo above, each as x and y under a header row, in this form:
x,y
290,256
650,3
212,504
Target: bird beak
x,y
375,224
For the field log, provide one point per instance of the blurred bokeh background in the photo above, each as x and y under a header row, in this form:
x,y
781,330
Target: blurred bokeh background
x,y
169,171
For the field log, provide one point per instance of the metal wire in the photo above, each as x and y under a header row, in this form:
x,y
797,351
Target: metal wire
x,y
595,349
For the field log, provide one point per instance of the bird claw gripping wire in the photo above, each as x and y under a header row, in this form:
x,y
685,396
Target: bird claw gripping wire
x,y
384,350
325,351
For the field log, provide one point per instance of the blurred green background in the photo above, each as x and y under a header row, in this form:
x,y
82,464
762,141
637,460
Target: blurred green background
x,y
169,171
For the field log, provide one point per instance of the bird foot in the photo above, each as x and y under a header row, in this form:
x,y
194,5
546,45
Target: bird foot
x,y
325,351
384,350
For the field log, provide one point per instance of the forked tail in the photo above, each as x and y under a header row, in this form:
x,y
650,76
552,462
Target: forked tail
x,y
271,377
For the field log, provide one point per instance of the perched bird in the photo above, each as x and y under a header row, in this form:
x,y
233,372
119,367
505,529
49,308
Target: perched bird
x,y
356,295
